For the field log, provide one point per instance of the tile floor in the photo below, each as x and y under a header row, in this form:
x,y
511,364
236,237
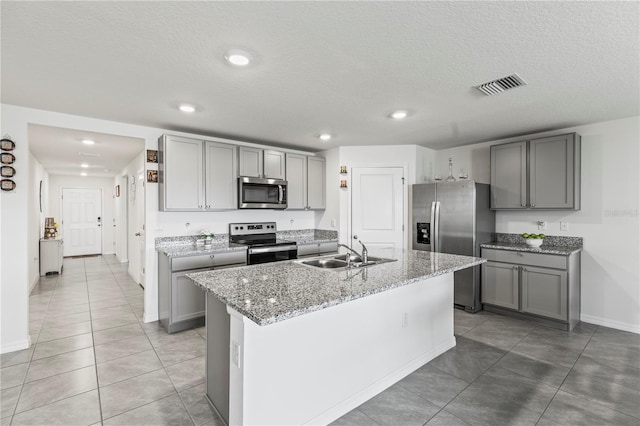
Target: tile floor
x,y
93,362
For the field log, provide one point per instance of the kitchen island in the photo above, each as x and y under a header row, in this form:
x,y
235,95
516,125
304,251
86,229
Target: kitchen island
x,y
288,343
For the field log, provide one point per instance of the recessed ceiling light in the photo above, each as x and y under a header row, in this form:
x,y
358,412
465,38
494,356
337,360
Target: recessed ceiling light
x,y
87,141
399,114
84,165
238,58
187,108
325,137
83,174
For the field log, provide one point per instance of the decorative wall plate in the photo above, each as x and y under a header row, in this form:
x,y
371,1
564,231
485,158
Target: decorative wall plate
x,y
7,171
7,158
7,185
7,145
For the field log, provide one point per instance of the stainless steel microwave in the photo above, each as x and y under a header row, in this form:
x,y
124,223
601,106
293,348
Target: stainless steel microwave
x,y
261,193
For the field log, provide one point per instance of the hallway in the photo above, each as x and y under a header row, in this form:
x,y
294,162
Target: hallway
x,y
92,359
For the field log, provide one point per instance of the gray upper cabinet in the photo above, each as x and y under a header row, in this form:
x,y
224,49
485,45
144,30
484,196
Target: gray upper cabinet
x,y
196,175
305,182
554,172
274,164
181,177
296,182
316,183
250,161
509,176
536,174
220,176
267,163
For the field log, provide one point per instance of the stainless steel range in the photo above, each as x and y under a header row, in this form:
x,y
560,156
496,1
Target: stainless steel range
x,y
263,245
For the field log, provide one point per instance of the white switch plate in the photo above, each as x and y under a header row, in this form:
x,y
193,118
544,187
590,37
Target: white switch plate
x,y
333,223
564,226
235,353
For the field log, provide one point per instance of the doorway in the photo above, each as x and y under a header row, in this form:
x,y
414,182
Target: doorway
x,y
378,208
82,221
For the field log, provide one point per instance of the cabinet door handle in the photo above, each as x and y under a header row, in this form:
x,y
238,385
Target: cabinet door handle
x,y
523,205
524,269
533,205
208,206
515,268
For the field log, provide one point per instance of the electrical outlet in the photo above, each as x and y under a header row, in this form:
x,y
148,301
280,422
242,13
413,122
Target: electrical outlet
x,y
564,226
542,225
333,223
235,353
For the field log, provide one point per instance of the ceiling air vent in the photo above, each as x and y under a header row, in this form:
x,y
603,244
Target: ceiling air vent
x,y
500,85
88,154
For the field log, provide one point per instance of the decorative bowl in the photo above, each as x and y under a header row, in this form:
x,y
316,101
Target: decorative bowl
x,y
534,242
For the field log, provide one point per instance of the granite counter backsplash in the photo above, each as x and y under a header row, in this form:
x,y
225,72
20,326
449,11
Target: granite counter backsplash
x,y
303,236
549,240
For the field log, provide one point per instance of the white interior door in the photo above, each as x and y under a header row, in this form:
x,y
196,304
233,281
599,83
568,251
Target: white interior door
x,y
140,202
377,208
82,221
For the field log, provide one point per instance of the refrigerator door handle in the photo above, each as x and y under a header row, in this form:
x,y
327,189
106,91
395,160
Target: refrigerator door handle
x,y
437,226
433,226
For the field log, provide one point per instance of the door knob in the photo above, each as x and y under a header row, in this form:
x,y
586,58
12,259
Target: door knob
x,y
137,234
355,237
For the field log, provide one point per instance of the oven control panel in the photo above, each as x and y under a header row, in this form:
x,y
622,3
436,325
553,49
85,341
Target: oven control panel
x,y
252,228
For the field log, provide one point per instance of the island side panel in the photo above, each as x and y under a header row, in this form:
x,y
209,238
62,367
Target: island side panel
x,y
314,368
217,362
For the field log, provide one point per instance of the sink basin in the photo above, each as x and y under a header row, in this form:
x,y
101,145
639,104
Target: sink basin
x,y
358,259
340,262
325,263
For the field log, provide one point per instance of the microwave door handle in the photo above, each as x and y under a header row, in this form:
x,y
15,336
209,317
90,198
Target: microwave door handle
x,y
280,195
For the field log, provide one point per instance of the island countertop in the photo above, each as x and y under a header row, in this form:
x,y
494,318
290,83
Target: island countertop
x,y
273,292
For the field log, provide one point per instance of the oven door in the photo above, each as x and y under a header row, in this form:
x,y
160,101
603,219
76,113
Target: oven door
x,y
255,193
271,254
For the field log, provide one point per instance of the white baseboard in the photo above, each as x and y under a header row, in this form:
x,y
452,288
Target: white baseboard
x,y
16,346
33,284
366,394
149,317
618,325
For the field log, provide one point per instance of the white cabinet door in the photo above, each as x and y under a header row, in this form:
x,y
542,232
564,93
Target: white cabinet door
x,y
250,161
316,186
182,166
221,182
274,164
296,181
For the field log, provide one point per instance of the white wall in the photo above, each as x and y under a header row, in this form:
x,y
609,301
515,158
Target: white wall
x,y
14,212
59,182
608,221
36,218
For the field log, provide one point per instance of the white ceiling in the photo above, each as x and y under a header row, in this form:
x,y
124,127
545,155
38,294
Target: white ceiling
x,y
339,67
61,151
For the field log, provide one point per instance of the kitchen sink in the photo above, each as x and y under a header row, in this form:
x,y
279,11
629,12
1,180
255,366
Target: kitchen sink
x,y
358,259
325,263
340,262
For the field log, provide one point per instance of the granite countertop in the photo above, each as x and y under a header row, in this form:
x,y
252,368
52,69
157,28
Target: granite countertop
x,y
190,249
543,249
274,292
186,245
309,236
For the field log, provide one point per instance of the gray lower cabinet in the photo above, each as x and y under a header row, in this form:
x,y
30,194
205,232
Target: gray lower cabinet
x,y
543,287
181,304
316,249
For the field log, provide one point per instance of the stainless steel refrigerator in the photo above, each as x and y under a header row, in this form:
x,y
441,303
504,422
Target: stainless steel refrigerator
x,y
454,217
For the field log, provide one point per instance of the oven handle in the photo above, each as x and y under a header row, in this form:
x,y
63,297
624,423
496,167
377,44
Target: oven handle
x,y
272,249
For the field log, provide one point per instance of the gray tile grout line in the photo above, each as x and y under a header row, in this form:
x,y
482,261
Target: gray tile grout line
x,y
480,375
93,346
581,396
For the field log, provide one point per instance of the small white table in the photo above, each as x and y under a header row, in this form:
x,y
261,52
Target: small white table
x,y
51,251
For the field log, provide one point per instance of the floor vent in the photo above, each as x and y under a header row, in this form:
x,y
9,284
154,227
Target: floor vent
x,y
500,85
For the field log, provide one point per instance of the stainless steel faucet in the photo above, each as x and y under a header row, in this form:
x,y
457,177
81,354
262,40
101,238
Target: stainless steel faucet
x,y
365,253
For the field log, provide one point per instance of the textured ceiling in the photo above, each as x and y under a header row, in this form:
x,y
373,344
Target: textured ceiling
x,y
339,67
